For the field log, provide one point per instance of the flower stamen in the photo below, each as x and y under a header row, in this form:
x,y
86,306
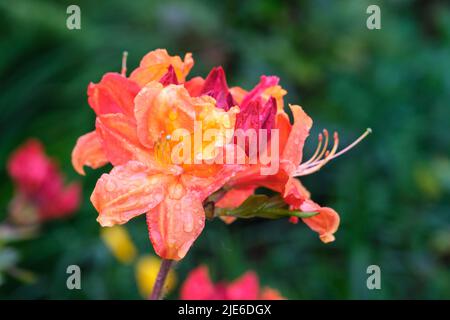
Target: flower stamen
x,y
124,63
319,145
318,161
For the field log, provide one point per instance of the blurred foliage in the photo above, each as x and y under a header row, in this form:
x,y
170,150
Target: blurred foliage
x,y
392,191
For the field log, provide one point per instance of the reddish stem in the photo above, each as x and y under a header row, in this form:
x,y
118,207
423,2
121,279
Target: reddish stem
x,y
161,279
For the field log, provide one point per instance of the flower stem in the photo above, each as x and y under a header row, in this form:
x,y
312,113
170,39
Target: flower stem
x,y
160,279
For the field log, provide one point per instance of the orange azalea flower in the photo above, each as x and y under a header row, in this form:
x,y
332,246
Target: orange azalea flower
x,y
133,132
137,130
198,286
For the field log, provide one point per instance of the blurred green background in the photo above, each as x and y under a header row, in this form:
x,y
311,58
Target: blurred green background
x,y
392,191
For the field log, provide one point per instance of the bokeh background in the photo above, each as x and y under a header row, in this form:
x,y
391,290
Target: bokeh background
x,y
392,191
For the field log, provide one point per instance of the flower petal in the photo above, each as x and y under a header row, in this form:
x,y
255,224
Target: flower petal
x,y
216,86
55,201
175,224
244,288
154,65
325,223
265,83
284,127
295,193
113,94
88,151
198,285
119,139
126,192
238,94
170,77
235,197
28,166
194,86
270,294
160,110
293,150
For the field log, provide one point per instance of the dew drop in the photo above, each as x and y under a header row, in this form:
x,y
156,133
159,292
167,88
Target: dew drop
x,y
176,191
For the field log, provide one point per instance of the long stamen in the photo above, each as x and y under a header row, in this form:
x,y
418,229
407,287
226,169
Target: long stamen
x,y
365,134
317,165
319,145
124,63
311,167
325,145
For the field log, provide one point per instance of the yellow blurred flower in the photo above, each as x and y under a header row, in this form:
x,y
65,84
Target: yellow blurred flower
x,y
119,242
427,181
147,269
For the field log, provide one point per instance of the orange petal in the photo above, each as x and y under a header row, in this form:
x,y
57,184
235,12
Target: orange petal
x,y
155,63
295,193
207,179
113,94
270,294
119,139
325,223
89,152
284,126
276,92
194,86
175,224
235,197
293,150
126,192
159,111
238,94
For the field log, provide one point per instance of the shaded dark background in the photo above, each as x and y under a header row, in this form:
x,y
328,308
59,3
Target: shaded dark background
x,y
392,191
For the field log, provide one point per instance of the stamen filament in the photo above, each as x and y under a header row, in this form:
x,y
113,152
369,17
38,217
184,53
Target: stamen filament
x,y
325,145
311,167
319,145
365,134
124,63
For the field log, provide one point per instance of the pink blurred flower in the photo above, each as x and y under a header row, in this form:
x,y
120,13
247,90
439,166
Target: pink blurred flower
x,y
39,186
198,286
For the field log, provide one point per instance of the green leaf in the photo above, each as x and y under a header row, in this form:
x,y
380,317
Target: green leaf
x,y
261,206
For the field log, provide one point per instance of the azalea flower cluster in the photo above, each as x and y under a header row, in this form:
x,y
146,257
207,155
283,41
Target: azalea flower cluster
x,y
40,193
136,117
198,286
